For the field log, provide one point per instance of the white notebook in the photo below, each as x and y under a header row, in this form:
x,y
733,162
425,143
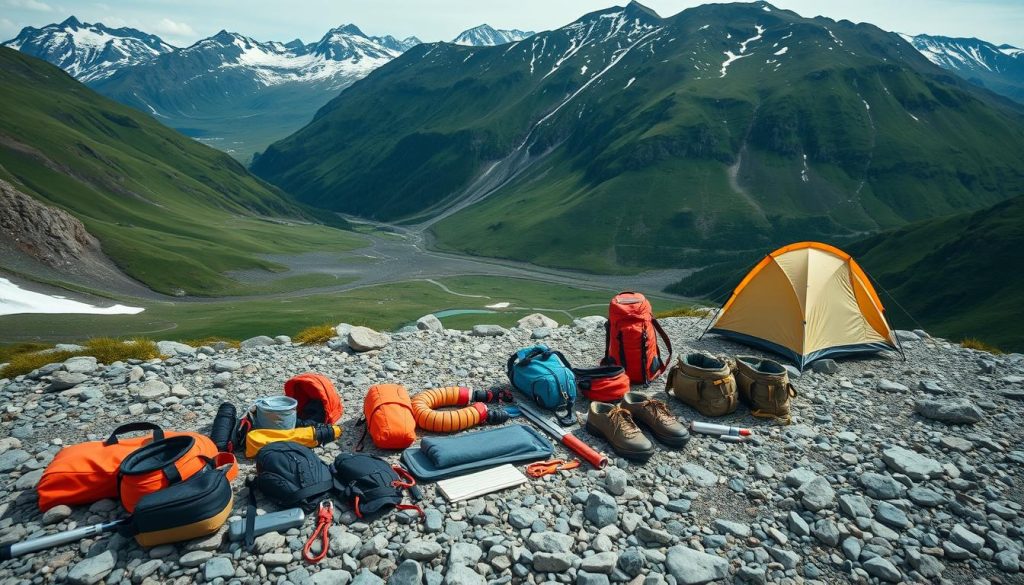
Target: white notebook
x,y
479,483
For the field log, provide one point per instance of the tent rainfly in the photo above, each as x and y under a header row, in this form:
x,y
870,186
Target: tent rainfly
x,y
807,301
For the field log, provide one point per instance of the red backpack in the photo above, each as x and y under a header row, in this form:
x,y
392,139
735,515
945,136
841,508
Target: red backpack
x,y
631,338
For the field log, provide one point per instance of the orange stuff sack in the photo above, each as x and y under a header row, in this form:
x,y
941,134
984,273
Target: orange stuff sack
x,y
318,401
167,462
389,417
87,472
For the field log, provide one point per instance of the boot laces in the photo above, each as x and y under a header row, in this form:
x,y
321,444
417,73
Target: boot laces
x,y
623,420
660,411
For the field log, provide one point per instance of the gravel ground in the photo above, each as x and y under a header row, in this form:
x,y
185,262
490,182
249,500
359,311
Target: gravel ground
x,y
865,485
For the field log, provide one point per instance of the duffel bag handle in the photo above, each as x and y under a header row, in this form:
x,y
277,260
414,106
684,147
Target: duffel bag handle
x,y
158,432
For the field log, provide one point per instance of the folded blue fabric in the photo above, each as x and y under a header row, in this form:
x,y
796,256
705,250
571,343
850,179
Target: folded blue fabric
x,y
441,457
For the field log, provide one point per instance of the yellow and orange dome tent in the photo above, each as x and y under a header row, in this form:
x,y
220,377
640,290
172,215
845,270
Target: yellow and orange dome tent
x,y
807,301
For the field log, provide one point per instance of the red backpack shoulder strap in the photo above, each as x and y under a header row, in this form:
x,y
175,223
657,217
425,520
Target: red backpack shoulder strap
x,y
668,344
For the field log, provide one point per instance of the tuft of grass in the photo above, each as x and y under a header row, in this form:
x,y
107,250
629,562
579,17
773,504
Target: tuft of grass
x,y
690,311
315,334
106,350
975,343
9,351
235,343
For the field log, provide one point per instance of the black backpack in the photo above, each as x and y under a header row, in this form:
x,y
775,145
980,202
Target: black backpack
x,y
292,475
371,484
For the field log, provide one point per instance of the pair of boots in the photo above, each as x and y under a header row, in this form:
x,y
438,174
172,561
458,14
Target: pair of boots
x,y
618,425
714,386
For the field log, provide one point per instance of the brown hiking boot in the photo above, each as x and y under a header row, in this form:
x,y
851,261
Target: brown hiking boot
x,y
655,415
616,425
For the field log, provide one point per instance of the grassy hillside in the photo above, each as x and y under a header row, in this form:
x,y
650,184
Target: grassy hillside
x,y
626,140
959,276
170,212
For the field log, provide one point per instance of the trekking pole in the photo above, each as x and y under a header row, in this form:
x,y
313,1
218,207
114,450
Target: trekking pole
x,y
17,549
598,460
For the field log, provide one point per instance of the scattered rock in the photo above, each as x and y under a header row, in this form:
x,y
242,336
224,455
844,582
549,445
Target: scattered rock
x,y
488,331
258,341
600,509
956,412
691,567
537,320
80,365
65,381
912,464
825,366
173,348
93,569
429,323
366,339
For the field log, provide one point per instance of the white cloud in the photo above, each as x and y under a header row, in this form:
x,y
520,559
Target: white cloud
x,y
169,27
30,5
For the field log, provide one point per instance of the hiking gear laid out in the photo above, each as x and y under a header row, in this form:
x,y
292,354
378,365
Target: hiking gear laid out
x,y
716,429
551,466
631,338
807,301
222,431
388,415
568,439
474,485
764,386
87,472
372,484
318,401
428,418
312,436
17,549
655,415
163,463
441,457
291,475
321,536
274,412
604,383
192,508
280,521
616,425
545,377
704,383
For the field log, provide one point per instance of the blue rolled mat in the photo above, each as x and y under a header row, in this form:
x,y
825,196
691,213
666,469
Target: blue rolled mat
x,y
442,457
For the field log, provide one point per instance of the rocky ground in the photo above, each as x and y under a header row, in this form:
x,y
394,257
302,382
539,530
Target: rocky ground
x,y
891,471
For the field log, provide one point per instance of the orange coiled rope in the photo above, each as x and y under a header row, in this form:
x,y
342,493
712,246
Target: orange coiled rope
x,y
425,407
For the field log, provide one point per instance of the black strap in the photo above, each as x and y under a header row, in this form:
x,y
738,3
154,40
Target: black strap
x,y
158,433
311,490
668,344
250,515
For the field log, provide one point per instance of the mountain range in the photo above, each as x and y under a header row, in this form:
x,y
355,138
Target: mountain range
x,y
999,68
487,36
625,139
171,213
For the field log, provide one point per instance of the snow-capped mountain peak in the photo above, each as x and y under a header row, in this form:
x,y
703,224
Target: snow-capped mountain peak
x,y
487,36
88,51
962,54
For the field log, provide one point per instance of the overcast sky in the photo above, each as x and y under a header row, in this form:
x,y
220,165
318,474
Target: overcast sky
x,y
182,22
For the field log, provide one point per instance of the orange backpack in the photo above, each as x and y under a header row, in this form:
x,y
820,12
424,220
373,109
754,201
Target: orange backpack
x,y
318,401
87,472
388,415
631,338
163,463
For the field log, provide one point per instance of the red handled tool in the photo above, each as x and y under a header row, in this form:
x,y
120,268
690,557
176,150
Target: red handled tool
x,y
598,460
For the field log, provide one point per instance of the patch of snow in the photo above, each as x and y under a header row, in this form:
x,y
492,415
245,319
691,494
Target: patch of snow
x,y
781,51
15,300
867,106
803,173
730,56
583,70
630,82
913,116
704,27
502,305
834,38
1011,51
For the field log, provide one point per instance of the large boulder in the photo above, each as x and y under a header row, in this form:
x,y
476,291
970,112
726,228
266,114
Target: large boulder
x,y
80,365
954,412
912,464
258,341
531,322
173,348
488,331
429,323
591,322
366,339
65,380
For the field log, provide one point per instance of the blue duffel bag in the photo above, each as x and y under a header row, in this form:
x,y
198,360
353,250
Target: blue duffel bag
x,y
544,376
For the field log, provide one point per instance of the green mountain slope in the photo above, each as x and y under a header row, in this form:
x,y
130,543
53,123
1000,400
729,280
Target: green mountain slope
x,y
959,276
170,212
629,140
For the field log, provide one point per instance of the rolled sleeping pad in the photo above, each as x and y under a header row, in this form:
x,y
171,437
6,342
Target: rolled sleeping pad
x,y
425,407
313,436
223,427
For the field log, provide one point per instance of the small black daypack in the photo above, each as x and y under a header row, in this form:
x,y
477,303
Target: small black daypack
x,y
371,484
292,475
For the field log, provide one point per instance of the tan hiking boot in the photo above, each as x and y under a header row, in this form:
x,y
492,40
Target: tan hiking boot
x,y
655,415
616,425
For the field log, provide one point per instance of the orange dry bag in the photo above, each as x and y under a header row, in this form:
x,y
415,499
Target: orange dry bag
x,y
87,472
318,401
388,416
